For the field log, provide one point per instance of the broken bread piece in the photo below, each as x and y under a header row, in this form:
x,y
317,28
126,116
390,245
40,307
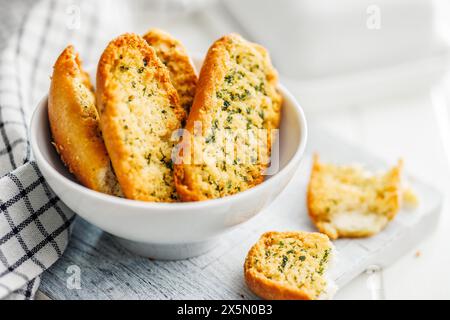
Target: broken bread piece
x,y
290,266
174,56
139,111
235,109
348,201
74,124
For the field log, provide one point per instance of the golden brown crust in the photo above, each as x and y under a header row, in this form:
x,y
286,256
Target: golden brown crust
x,y
271,289
214,70
174,56
310,199
326,224
139,110
74,125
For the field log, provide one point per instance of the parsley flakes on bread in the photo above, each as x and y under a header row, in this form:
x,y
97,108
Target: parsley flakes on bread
x,y
139,110
290,266
174,56
236,93
146,86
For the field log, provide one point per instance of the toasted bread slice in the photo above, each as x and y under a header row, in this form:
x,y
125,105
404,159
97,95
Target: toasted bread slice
x,y
236,100
175,57
139,110
290,266
347,201
74,125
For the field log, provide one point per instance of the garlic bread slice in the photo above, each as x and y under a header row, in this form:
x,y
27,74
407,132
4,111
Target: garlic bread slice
x,y
290,266
74,124
348,201
139,111
174,56
236,107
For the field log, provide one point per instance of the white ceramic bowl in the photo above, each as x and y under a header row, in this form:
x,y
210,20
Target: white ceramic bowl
x,y
170,230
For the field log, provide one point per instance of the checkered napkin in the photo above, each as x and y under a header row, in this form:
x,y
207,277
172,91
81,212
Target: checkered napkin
x,y
34,223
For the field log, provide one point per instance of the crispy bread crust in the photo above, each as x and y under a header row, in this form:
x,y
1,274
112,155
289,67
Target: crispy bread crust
x,y
181,69
269,289
131,178
74,124
212,74
327,227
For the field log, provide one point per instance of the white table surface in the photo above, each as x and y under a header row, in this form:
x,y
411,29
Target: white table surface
x,y
405,128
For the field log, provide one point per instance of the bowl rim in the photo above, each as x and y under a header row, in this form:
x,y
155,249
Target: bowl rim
x,y
34,127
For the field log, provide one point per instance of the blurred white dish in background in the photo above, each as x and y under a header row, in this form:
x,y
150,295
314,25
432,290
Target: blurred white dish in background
x,y
347,52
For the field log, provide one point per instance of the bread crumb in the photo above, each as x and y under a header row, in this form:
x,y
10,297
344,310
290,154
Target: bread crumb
x,y
410,199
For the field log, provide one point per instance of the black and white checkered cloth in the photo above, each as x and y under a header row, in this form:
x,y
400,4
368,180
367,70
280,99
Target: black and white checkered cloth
x,y
34,224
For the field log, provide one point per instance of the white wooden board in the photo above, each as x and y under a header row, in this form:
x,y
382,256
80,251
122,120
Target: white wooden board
x,y
110,272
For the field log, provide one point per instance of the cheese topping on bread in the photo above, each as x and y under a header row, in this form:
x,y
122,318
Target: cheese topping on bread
x,y
237,106
290,265
347,201
174,56
75,128
139,111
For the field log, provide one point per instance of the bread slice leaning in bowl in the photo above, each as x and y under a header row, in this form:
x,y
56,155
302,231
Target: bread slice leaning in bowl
x,y
290,266
235,109
347,201
139,111
74,125
174,56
